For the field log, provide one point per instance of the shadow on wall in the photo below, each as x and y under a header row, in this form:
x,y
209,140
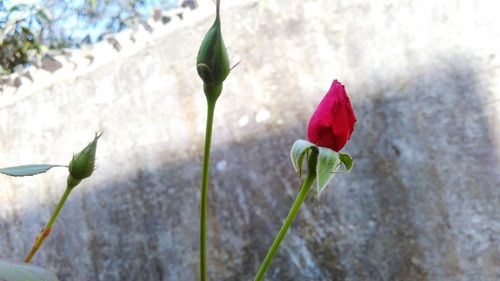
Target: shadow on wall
x,y
427,189
424,169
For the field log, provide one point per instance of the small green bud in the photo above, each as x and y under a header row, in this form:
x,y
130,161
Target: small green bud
x,y
83,163
212,62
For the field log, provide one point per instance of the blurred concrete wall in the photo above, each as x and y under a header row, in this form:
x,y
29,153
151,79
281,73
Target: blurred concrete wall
x,y
423,200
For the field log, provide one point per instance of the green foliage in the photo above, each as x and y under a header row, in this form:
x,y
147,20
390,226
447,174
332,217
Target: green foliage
x,y
27,170
19,35
28,31
15,271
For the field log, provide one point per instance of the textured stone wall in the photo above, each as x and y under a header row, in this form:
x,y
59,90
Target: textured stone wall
x,y
422,202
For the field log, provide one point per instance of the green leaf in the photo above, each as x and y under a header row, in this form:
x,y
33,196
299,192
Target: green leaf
x,y
16,271
27,170
297,153
346,159
328,161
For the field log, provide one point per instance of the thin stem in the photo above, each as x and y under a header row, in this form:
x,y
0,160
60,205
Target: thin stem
x,y
204,190
304,189
46,230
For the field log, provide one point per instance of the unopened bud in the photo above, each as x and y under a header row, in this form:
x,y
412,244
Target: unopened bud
x,y
83,163
212,63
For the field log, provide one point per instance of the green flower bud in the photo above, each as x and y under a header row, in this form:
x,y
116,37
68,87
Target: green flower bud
x,y
212,63
83,163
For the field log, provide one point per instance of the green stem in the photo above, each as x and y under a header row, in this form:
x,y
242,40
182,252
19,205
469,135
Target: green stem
x,y
304,190
204,189
48,227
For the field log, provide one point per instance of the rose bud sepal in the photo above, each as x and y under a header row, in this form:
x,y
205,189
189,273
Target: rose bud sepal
x,y
82,165
326,161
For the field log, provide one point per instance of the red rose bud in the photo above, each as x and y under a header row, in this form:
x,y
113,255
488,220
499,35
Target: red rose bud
x,y
212,62
332,123
83,163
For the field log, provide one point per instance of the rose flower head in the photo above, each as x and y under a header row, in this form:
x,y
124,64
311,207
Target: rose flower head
x,y
332,123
